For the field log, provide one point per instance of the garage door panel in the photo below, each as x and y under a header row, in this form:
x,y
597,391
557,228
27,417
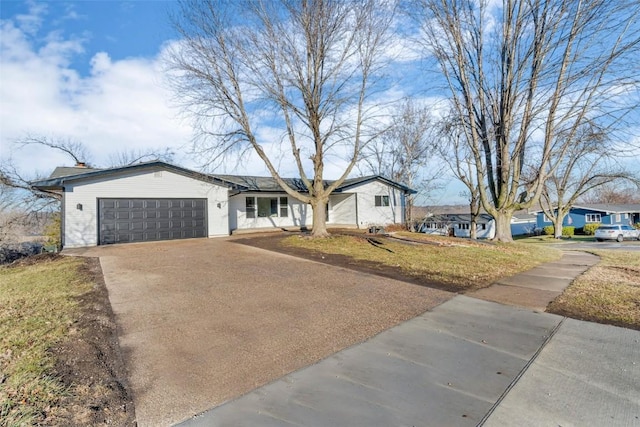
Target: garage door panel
x,y
122,226
137,220
122,204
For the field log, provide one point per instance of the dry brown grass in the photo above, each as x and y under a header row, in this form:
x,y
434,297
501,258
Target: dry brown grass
x,y
461,264
37,308
607,293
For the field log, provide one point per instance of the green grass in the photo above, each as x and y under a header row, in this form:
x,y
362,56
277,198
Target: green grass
x,y
459,263
552,240
37,307
608,293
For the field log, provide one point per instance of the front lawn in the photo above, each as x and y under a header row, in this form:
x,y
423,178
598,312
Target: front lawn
x,y
551,240
459,263
37,308
607,293
60,361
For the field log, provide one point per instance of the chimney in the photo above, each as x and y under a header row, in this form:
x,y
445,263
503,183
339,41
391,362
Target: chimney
x,y
81,165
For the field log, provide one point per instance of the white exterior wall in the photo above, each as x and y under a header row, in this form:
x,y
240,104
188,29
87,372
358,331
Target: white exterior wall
x,y
369,214
81,226
299,214
488,233
342,208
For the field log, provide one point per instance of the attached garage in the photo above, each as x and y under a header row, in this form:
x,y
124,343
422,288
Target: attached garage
x,y
138,203
142,220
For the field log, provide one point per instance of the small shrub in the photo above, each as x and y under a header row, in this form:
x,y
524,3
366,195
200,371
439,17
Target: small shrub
x,y
12,252
590,229
568,230
395,227
637,225
52,230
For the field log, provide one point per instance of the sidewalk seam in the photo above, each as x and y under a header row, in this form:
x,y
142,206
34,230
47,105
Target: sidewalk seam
x,y
521,373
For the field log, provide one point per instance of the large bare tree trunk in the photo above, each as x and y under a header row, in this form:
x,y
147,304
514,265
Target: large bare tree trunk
x,y
503,225
319,208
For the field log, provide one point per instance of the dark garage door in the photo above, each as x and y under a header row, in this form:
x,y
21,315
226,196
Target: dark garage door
x,y
143,220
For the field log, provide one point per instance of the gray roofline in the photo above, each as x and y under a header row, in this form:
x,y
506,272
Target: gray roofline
x,y
348,183
601,207
223,180
60,181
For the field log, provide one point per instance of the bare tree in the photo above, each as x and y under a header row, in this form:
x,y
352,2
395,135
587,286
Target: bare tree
x,y
614,193
458,157
307,67
402,151
524,76
21,203
130,157
75,150
586,164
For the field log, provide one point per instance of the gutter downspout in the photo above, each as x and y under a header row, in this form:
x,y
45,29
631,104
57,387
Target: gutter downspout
x,y
62,217
357,220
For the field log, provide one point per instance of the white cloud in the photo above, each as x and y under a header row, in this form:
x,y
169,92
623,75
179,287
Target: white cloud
x,y
121,105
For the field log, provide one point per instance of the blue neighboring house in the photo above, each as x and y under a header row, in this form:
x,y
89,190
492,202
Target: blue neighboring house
x,y
523,223
603,213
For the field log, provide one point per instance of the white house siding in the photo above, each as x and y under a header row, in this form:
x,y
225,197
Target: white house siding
x,y
369,214
342,209
299,214
81,226
488,233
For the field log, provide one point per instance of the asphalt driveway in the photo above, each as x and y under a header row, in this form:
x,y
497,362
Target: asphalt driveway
x,y
204,321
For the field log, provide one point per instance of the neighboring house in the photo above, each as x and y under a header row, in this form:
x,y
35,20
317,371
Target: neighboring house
x,y
584,214
456,221
458,225
160,201
523,224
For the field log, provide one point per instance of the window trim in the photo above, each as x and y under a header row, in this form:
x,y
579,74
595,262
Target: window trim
x,y
381,201
283,206
592,218
250,207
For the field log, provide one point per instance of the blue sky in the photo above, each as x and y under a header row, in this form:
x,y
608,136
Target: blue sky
x,y
121,28
92,71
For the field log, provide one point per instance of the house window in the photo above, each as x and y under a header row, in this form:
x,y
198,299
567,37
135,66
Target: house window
x,y
593,217
284,207
618,219
267,207
545,218
250,207
382,200
462,226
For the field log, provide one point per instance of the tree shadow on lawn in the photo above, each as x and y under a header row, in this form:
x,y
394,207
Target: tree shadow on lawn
x,y
273,242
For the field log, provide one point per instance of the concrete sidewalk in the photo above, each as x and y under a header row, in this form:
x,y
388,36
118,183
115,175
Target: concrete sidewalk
x,y
536,288
467,362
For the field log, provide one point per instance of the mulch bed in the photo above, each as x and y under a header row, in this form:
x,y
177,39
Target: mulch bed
x,y
90,364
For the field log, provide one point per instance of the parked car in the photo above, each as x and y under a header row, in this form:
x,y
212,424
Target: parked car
x,y
616,232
